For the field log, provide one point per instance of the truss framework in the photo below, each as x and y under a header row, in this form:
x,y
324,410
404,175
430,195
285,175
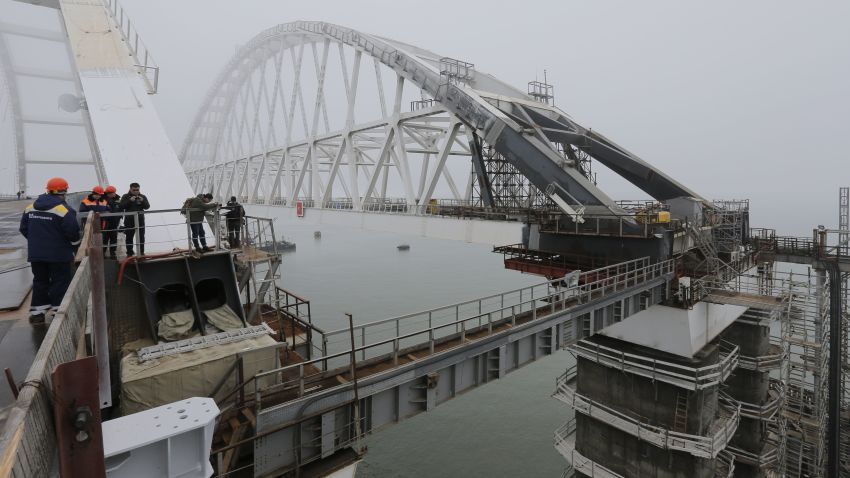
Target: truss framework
x,y
33,125
804,374
287,120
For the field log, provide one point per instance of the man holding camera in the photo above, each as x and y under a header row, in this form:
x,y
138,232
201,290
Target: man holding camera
x,y
134,201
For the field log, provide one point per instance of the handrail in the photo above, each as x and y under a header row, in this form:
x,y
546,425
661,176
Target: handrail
x,y
642,262
135,215
579,295
695,378
703,446
579,462
138,50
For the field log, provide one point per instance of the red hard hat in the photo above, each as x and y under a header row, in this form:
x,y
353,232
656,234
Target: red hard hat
x,y
57,185
97,190
110,189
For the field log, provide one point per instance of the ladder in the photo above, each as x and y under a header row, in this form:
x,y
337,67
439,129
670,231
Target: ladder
x,y
263,275
680,419
716,266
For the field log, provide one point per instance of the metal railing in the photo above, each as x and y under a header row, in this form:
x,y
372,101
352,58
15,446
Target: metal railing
x,y
709,446
691,378
297,309
769,361
768,457
510,304
147,67
28,440
135,227
565,444
396,337
764,411
724,465
824,243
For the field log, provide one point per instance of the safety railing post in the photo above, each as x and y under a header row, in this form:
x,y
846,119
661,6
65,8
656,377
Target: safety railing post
x,y
301,380
136,238
395,351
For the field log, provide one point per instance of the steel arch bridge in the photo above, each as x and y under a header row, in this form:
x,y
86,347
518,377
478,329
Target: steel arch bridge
x,y
295,115
39,140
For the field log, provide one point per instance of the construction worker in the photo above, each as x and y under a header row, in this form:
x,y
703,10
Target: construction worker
x,y
196,210
235,217
134,201
110,232
52,233
93,203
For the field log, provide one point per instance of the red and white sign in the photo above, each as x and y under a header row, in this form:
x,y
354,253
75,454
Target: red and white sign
x,y
299,208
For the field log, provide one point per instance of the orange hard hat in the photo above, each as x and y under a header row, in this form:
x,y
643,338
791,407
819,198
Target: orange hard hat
x,y
57,186
110,189
97,190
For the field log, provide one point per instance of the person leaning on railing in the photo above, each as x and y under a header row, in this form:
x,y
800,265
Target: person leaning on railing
x,y
195,211
52,233
134,202
235,219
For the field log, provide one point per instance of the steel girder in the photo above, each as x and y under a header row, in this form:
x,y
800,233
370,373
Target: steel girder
x,y
522,130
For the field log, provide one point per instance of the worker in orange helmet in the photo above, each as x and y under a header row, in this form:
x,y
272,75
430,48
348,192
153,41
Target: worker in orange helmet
x,y
52,233
93,203
110,231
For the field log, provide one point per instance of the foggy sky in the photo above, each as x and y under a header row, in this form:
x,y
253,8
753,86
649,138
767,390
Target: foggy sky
x,y
733,99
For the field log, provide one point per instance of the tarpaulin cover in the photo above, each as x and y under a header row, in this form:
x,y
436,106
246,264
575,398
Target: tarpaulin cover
x,y
191,374
176,325
224,318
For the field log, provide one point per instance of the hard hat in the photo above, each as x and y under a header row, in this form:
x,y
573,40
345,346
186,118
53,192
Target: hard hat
x,y
110,189
97,190
57,186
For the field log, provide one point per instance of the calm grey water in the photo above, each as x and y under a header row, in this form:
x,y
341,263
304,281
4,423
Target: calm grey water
x,y
501,429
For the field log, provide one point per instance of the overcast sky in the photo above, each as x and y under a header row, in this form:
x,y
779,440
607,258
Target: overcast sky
x,y
734,99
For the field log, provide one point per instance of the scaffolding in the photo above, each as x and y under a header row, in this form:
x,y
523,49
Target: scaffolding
x,y
805,338
509,187
843,236
730,222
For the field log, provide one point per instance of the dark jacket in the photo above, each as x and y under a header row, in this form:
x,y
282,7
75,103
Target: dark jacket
x,y
51,229
114,205
130,203
235,212
197,208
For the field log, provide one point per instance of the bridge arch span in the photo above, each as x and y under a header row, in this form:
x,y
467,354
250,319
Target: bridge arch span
x,y
294,116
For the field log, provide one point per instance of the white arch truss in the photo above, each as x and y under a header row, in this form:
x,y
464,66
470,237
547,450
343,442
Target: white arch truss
x,y
301,113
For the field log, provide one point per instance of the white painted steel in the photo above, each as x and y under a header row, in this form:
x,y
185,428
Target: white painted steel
x,y
132,142
682,332
38,139
172,440
238,146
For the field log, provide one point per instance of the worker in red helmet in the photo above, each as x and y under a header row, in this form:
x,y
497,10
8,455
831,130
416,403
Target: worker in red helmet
x,y
110,232
93,203
52,233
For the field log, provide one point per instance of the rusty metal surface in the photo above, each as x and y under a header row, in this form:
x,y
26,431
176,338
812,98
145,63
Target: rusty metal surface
x,y
80,441
98,300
